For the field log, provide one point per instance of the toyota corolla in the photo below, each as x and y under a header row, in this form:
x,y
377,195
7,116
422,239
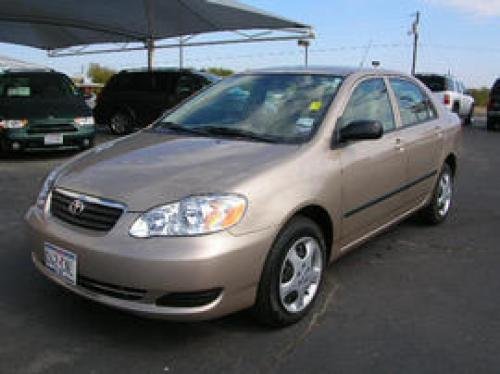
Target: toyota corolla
x,y
243,195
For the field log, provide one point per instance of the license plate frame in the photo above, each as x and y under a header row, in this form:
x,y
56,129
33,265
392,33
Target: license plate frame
x,y
61,262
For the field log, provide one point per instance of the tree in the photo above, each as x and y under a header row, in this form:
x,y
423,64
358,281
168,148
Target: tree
x,y
480,96
100,74
221,72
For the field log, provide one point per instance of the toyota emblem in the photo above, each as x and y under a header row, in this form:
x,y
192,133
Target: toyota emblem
x,y
76,207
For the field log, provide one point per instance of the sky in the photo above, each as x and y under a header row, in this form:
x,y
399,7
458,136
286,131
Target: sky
x,y
457,36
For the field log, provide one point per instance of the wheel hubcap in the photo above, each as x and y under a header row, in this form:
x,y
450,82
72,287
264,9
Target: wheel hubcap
x,y
445,192
300,274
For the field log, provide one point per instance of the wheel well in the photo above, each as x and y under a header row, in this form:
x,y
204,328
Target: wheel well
x,y
451,160
321,217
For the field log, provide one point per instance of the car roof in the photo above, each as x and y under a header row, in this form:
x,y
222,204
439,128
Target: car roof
x,y
341,71
210,77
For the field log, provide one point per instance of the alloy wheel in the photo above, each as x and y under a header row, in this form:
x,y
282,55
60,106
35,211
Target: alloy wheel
x,y
300,274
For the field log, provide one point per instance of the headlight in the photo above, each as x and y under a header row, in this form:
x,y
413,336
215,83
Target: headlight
x,y
46,188
84,121
194,215
13,123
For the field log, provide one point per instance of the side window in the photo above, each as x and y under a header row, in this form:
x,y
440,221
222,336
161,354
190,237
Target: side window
x,y
414,105
370,101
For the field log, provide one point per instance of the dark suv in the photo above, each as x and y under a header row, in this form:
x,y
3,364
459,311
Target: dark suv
x,y
494,106
135,98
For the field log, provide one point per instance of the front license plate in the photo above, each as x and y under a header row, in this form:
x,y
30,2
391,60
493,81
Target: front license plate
x,y
53,139
61,262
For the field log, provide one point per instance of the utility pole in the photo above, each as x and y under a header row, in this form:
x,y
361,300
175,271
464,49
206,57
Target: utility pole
x,y
415,32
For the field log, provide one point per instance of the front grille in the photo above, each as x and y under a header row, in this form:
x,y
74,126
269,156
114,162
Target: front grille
x,y
50,128
108,289
97,214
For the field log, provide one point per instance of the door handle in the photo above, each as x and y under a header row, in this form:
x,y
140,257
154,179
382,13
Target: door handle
x,y
439,131
399,145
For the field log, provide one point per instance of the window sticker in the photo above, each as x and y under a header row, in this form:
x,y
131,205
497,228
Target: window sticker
x,y
315,106
305,122
19,91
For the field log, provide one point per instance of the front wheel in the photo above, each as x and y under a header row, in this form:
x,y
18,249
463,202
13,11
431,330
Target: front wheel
x,y
439,207
292,274
120,123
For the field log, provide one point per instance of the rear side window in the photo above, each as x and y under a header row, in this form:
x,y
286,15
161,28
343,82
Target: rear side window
x,y
370,101
132,82
414,105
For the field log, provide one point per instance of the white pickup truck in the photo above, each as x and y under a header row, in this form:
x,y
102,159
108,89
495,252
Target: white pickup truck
x,y
452,93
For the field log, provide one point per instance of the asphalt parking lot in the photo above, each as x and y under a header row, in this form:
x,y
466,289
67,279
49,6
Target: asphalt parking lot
x,y
417,299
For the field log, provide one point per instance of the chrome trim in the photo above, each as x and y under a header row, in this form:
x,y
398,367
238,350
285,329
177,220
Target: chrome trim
x,y
91,199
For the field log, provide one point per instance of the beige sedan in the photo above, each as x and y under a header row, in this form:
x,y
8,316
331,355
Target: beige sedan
x,y
241,196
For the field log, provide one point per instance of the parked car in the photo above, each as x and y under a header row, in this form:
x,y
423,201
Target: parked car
x,y
42,109
243,194
452,93
493,120
135,98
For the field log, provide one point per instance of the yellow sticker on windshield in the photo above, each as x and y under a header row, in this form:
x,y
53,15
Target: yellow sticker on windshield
x,y
315,106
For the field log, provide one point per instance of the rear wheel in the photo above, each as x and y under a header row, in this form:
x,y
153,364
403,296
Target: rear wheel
x,y
292,274
468,119
439,207
120,123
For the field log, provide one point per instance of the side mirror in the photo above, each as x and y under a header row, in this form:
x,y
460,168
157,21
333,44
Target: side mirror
x,y
362,130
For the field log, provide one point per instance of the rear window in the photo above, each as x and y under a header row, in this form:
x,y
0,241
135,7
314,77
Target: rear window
x,y
44,86
435,83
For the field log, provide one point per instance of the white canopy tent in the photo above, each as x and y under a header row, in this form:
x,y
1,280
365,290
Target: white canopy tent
x,y
72,27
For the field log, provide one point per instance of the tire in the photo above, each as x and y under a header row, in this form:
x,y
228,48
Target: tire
x,y
290,283
468,119
121,123
442,197
490,126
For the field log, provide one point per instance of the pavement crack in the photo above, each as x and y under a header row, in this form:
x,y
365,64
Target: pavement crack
x,y
313,322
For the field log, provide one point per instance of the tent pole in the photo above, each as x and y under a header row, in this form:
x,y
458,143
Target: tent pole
x,y
181,53
151,51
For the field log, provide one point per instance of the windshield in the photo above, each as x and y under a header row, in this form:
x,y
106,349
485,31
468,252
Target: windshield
x,y
285,108
435,83
36,85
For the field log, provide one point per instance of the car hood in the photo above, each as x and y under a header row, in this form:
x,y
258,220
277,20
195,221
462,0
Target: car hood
x,y
37,109
148,169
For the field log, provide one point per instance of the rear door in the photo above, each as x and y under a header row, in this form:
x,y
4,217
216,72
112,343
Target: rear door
x,y
422,135
373,171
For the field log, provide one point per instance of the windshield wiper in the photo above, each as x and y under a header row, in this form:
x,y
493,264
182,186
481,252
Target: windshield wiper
x,y
238,133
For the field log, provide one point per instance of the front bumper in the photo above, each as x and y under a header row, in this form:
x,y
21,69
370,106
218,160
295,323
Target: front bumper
x,y
158,266
35,142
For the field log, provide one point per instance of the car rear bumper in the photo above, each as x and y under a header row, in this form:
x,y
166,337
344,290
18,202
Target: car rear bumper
x,y
218,274
21,140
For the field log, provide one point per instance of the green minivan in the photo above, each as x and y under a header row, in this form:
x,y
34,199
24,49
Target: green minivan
x,y
42,110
